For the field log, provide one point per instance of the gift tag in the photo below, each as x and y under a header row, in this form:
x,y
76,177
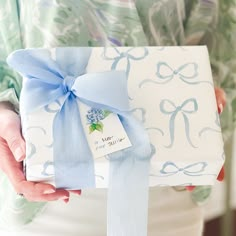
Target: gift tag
x,y
104,131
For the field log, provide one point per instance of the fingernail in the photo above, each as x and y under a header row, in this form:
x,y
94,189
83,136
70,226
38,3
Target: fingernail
x,y
190,188
78,193
19,155
220,108
49,191
64,198
221,174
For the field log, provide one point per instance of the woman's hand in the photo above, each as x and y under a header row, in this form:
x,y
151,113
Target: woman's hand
x,y
221,102
12,152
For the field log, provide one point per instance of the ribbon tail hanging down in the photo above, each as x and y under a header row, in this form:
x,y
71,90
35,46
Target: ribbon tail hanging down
x,y
128,187
74,163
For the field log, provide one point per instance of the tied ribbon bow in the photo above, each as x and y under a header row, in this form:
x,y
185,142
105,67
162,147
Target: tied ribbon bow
x,y
65,79
195,169
169,108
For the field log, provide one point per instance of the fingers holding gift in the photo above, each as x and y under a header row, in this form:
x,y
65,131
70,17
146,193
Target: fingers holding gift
x,y
190,188
220,99
41,192
221,102
219,178
12,150
221,175
77,192
10,131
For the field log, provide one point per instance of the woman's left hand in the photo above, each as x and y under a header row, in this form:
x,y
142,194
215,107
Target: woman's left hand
x,y
221,102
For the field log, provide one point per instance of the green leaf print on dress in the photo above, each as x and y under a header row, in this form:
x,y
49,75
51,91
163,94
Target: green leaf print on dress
x,y
83,23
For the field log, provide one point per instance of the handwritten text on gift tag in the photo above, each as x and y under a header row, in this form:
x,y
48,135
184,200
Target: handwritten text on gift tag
x,y
104,131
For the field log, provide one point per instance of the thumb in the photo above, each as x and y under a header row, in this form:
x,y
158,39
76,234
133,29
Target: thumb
x,y
16,142
11,132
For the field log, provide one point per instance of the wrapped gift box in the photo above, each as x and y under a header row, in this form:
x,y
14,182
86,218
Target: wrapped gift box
x,y
171,92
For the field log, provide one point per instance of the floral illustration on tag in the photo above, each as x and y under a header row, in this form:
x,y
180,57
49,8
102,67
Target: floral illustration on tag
x,y
94,117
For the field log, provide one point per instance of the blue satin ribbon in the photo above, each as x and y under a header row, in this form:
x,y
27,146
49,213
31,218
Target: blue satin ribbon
x,y
195,169
169,108
65,78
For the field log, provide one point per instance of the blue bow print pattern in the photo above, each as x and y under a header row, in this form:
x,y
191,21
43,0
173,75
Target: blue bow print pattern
x,y
184,110
31,146
158,130
46,165
127,56
217,122
195,169
187,72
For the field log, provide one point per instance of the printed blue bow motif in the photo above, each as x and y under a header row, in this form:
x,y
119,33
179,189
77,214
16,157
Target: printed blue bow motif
x,y
46,166
125,57
31,146
168,107
196,169
170,73
217,122
187,72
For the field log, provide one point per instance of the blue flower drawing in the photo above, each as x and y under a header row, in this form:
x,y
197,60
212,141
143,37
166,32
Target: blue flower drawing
x,y
94,117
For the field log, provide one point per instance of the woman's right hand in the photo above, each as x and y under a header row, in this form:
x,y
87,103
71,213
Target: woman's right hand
x,y
12,153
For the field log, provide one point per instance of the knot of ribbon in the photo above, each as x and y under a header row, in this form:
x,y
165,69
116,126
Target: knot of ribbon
x,y
189,106
195,169
68,83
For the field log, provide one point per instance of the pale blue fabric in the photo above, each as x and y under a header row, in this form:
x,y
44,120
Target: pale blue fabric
x,y
65,77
